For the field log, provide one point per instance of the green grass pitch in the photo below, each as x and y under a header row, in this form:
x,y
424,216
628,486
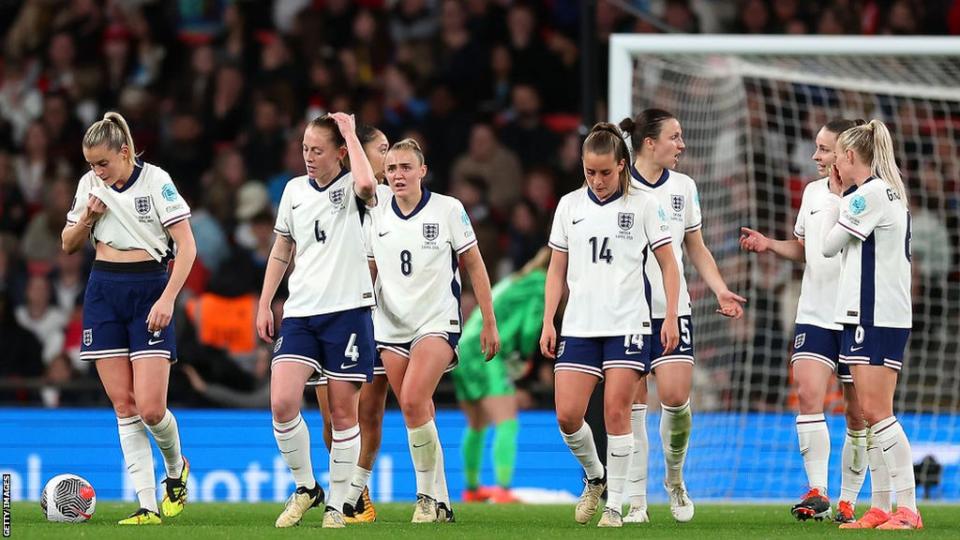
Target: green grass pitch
x,y
494,522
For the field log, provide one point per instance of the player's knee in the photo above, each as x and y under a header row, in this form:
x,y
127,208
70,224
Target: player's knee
x,y
616,419
125,408
673,399
810,400
415,406
284,408
152,414
569,422
855,420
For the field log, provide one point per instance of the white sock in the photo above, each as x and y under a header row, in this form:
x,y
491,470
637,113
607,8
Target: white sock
x,y
167,436
854,463
619,451
423,441
359,481
815,448
440,480
293,440
344,454
879,475
675,426
637,477
585,450
139,459
895,448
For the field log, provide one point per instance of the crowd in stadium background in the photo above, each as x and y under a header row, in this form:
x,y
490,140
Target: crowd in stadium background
x,y
218,92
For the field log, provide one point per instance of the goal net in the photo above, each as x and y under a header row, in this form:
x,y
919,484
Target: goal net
x,y
750,110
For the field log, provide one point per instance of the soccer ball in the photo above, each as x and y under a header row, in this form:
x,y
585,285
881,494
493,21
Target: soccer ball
x,y
68,498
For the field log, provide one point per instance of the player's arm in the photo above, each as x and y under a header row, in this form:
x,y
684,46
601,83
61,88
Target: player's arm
x,y
162,311
489,338
670,334
756,242
553,292
81,222
364,183
707,267
277,264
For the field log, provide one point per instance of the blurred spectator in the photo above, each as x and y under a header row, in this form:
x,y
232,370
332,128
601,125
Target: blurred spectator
x,y
63,129
541,190
40,316
459,56
525,133
498,166
69,280
678,14
13,208
41,242
266,141
252,199
185,154
447,128
753,18
401,105
35,167
498,93
473,193
225,112
525,234
532,62
21,355
292,167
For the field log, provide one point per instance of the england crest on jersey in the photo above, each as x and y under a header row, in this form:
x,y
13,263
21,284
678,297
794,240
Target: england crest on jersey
x,y
625,220
676,202
799,340
431,231
336,197
142,204
87,336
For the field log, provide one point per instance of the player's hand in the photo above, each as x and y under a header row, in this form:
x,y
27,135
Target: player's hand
x,y
751,240
95,210
835,182
669,334
489,340
548,341
160,315
730,304
265,323
345,122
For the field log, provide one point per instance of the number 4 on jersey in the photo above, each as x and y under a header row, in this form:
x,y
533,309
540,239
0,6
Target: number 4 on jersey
x,y
319,233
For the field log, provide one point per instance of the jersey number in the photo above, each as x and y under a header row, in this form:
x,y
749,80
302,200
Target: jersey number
x,y
319,233
406,267
602,252
906,244
352,352
685,332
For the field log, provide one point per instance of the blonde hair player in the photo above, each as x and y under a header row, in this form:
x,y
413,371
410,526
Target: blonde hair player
x,y
418,240
358,506
816,347
657,140
870,225
132,213
602,236
327,328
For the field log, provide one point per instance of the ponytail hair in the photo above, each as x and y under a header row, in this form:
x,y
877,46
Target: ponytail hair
x,y
367,133
605,138
113,132
649,123
873,144
411,145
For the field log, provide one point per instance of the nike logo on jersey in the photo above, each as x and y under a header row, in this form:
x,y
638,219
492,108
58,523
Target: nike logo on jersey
x,y
421,445
812,212
633,352
348,366
855,349
578,220
618,455
685,349
154,341
297,206
381,235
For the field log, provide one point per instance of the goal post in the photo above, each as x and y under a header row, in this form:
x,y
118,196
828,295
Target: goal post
x,y
750,107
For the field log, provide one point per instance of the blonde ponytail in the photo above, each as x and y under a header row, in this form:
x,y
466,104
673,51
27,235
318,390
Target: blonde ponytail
x,y
884,163
113,132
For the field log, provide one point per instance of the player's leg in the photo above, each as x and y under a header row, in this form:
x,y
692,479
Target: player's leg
x,y
572,394
676,422
502,412
854,455
619,391
812,377
116,374
639,461
320,389
472,448
373,401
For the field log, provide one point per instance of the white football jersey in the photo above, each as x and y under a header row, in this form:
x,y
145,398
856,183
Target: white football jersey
x,y
875,266
418,279
677,195
330,273
152,198
607,244
818,290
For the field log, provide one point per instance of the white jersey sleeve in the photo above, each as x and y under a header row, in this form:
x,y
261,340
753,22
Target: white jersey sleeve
x,y
655,224
558,232
799,226
282,226
80,200
171,207
462,236
861,212
693,218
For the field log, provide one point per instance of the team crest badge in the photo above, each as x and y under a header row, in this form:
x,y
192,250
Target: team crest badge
x,y
676,201
142,204
431,231
799,340
277,345
336,197
625,220
87,336
560,347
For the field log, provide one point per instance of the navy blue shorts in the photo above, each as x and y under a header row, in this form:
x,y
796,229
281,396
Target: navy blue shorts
x,y
873,346
116,304
403,349
337,345
684,350
596,354
822,345
378,370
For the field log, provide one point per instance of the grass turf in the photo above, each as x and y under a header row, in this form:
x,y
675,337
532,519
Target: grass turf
x,y
245,520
